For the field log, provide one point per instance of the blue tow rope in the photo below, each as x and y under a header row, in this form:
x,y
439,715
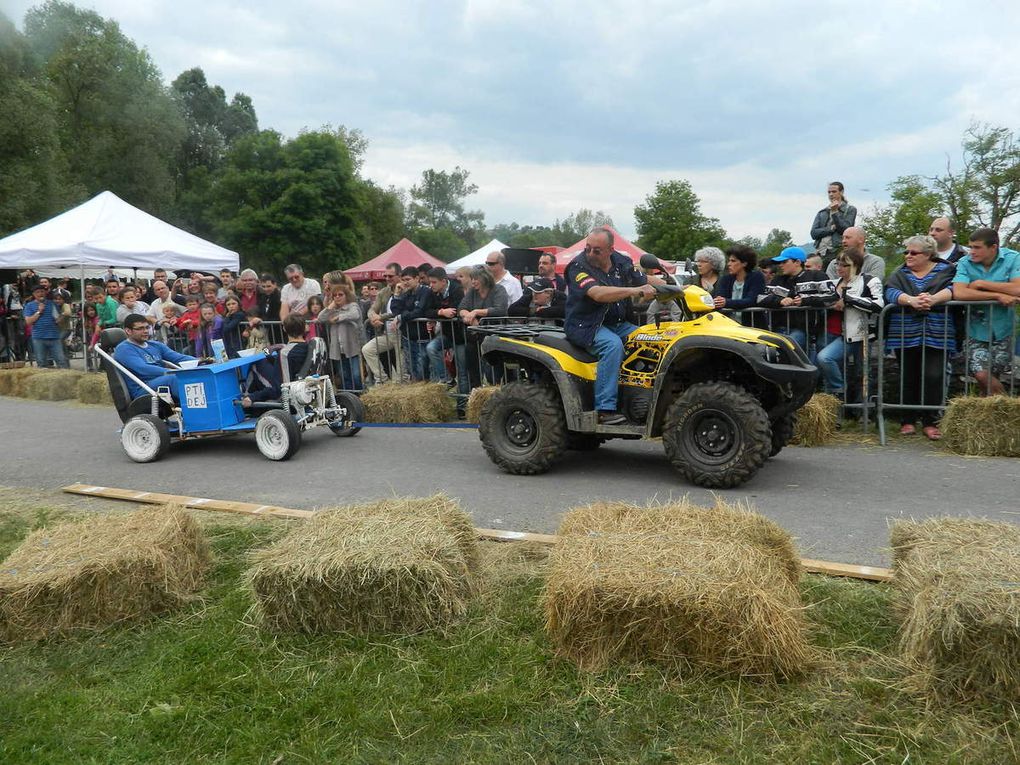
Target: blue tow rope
x,y
414,425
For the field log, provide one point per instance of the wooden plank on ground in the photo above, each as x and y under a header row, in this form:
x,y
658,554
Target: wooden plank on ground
x,y
871,573
868,573
196,503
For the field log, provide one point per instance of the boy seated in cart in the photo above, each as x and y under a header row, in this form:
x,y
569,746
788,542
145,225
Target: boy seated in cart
x,y
146,358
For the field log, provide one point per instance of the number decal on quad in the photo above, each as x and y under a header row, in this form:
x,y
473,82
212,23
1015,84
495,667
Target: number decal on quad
x,y
194,395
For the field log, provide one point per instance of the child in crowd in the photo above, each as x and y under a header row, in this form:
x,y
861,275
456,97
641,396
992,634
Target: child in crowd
x,y
209,295
315,307
233,318
169,327
190,322
63,315
256,333
295,351
210,327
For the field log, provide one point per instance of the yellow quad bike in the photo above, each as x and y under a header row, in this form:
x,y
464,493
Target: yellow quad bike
x,y
723,397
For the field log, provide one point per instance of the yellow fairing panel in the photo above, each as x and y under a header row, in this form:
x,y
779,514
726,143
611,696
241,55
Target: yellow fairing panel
x,y
565,361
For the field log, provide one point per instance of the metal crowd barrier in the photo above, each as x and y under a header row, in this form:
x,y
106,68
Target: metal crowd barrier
x,y
938,364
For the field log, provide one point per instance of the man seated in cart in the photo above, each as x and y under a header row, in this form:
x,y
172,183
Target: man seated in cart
x,y
146,358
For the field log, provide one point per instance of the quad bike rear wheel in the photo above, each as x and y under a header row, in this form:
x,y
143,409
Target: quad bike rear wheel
x,y
716,435
523,429
782,432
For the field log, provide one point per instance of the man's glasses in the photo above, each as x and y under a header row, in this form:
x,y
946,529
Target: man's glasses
x,y
492,262
596,250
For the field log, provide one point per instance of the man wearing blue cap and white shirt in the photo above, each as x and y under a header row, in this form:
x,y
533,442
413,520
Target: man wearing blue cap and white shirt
x,y
783,293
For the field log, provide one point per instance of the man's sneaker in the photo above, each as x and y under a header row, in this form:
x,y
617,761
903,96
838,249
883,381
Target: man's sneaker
x,y
612,418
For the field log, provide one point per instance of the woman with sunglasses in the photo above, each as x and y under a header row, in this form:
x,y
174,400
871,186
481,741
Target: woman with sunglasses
x,y
921,334
848,319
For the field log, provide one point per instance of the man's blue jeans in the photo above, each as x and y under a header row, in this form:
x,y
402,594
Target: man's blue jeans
x,y
608,347
47,350
417,360
437,346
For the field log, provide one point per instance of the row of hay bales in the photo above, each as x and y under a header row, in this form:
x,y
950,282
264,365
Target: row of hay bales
x,y
55,385
684,586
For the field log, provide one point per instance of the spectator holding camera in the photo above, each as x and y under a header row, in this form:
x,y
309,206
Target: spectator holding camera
x,y
42,317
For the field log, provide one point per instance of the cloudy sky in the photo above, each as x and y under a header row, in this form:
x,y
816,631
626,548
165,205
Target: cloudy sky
x,y
559,105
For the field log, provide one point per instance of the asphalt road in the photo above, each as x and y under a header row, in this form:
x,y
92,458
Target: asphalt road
x,y
836,500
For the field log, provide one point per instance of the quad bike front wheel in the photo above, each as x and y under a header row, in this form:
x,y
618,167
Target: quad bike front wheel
x,y
523,429
782,432
716,435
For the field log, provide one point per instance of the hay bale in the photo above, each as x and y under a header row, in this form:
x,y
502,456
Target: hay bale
x,y
477,400
409,402
12,381
399,565
957,585
53,385
721,604
983,427
816,421
94,389
735,522
99,572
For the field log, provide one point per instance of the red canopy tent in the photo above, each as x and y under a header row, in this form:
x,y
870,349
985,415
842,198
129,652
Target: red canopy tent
x,y
405,252
620,244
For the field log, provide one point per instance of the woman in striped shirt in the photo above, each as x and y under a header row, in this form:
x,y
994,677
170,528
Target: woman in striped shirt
x,y
920,336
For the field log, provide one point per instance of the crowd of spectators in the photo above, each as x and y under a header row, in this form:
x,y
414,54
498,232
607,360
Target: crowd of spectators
x,y
413,325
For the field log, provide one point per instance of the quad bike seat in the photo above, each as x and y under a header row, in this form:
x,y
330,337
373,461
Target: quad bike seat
x,y
559,341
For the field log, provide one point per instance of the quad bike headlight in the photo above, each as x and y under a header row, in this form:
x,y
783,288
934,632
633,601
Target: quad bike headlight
x,y
770,353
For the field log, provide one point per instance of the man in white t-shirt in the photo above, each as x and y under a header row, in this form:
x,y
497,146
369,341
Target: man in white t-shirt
x,y
155,313
496,263
295,293
944,234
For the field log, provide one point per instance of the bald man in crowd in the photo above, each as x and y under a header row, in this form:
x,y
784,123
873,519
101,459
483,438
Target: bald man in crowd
x,y
944,234
854,238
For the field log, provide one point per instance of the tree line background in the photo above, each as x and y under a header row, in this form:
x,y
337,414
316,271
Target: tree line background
x,y
85,109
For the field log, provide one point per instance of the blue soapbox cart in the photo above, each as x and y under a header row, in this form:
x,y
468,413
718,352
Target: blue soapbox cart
x,y
210,405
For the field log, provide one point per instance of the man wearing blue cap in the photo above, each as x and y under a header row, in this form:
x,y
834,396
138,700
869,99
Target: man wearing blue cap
x,y
783,292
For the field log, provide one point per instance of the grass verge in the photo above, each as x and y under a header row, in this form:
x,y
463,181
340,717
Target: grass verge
x,y
205,686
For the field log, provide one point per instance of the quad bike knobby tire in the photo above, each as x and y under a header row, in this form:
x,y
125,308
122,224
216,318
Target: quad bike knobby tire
x,y
523,429
782,432
716,435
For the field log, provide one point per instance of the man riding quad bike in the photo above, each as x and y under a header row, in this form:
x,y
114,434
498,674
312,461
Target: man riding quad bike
x,y
723,397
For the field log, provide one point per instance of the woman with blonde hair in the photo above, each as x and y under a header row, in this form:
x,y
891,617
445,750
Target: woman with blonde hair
x,y
342,319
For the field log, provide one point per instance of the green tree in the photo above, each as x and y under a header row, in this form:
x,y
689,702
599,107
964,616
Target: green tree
x,y
279,202
437,202
670,223
912,207
117,124
576,226
986,190
381,223
442,243
777,240
34,182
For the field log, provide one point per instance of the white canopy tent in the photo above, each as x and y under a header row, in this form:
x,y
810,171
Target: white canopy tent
x,y
107,231
477,257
